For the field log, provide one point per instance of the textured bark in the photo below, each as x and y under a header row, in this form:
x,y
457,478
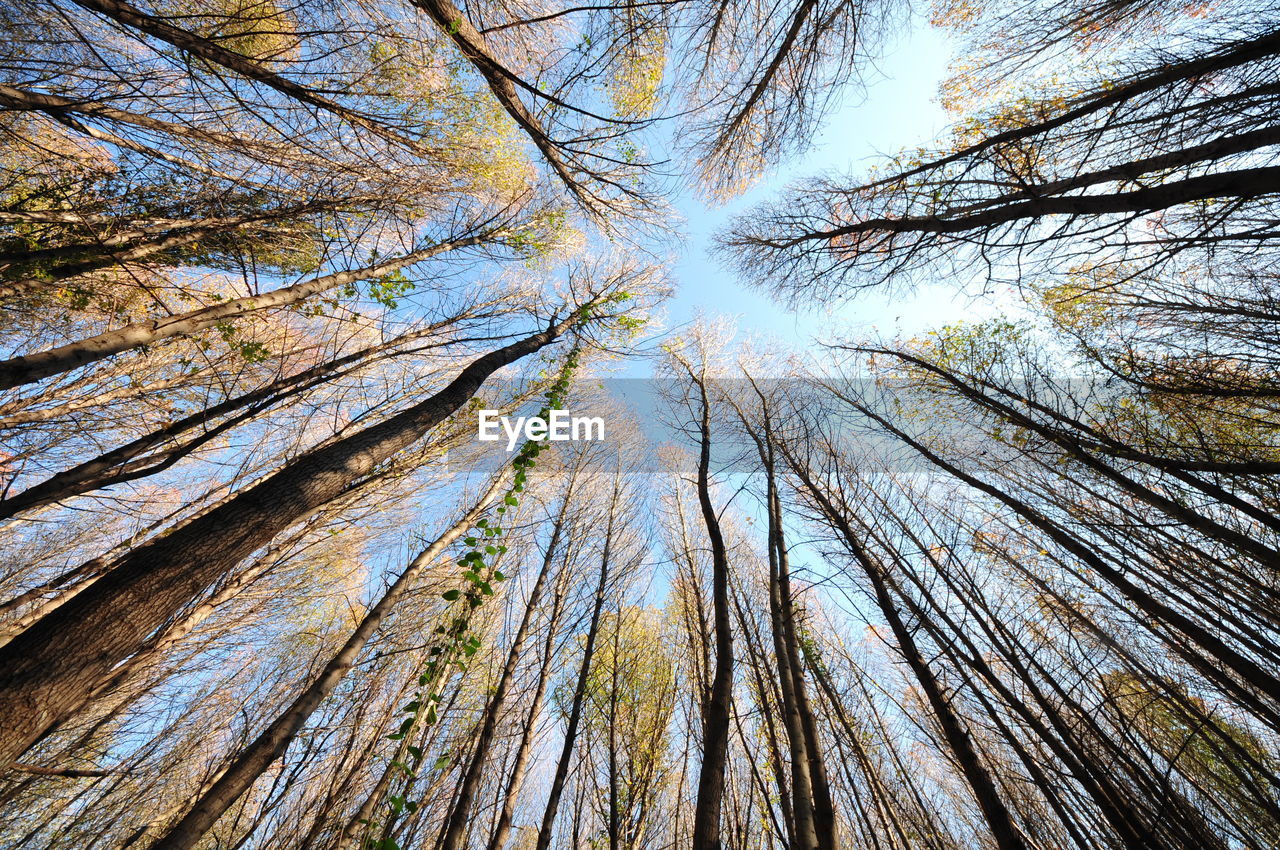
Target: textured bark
x,y
48,671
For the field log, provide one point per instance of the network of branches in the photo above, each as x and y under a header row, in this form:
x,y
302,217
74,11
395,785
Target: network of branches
x,y
1002,585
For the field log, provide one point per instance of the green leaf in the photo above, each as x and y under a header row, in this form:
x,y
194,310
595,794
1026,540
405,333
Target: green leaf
x,y
450,595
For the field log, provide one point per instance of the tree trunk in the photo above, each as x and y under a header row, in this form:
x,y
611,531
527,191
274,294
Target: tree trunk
x,y
130,461
502,829
957,738
715,714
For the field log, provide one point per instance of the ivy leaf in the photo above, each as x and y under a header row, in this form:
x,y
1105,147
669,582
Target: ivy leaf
x,y
450,595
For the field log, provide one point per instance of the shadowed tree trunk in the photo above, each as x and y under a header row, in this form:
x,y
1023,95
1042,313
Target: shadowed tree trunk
x,y
715,713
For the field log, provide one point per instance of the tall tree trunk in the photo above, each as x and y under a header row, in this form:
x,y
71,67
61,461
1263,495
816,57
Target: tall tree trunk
x,y
48,671
1204,637
132,246
130,461
715,714
957,738
824,818
790,679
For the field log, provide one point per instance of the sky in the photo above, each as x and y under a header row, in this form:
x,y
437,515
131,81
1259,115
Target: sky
x,y
898,109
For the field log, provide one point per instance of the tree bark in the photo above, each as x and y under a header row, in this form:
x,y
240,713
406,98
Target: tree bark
x,y
715,714
580,691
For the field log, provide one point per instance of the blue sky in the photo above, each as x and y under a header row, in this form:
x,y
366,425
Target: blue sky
x,y
899,109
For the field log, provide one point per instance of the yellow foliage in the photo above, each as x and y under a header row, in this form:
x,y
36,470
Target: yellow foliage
x,y
258,29
637,74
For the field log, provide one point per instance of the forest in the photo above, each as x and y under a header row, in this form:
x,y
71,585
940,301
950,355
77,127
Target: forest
x,y
1011,582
